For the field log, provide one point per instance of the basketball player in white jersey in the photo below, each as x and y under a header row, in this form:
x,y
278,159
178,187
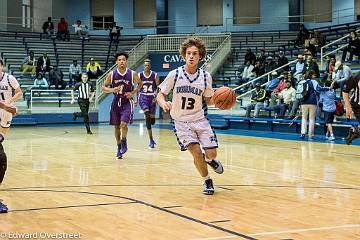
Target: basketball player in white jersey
x,y
192,91
8,83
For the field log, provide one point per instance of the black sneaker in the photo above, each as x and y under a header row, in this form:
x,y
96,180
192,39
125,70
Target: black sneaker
x,y
208,187
74,116
353,134
3,208
216,165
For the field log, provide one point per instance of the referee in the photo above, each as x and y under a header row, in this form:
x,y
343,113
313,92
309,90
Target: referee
x,y
352,105
86,95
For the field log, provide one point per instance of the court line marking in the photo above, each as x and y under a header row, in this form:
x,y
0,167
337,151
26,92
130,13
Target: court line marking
x,y
179,185
220,221
286,231
306,230
183,216
175,206
232,166
71,206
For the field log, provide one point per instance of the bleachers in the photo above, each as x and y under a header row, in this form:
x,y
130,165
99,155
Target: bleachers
x,y
14,47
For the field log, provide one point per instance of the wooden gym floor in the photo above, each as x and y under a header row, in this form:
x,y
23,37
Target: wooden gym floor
x,y
60,180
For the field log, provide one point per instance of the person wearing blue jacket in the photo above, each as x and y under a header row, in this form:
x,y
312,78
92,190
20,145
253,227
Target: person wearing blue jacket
x,y
309,103
327,98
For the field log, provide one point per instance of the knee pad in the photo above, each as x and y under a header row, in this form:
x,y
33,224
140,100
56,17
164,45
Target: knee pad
x,y
148,120
3,165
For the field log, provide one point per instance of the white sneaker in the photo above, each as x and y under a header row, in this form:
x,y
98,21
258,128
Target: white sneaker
x,y
331,138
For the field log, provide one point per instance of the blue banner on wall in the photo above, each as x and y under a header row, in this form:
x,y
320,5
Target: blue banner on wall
x,y
163,63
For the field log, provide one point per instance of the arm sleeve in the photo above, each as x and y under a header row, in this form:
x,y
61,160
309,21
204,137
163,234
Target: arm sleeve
x,y
168,84
347,75
318,88
209,91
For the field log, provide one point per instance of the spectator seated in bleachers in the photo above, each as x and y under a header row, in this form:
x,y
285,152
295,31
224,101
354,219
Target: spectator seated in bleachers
x,y
63,30
74,73
114,32
40,82
48,27
247,74
330,66
56,77
93,69
258,69
29,64
269,65
302,35
257,101
274,82
341,74
282,60
300,67
312,65
287,97
43,64
353,47
310,44
249,56
262,57
281,86
81,30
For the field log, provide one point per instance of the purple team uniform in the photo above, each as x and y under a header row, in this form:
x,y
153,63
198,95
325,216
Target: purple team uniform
x,y
121,107
148,92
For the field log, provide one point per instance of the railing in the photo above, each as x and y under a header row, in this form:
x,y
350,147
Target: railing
x,y
135,55
60,98
322,55
258,78
218,57
164,43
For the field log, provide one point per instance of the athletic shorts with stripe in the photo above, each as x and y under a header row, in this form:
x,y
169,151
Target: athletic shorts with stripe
x,y
6,118
199,132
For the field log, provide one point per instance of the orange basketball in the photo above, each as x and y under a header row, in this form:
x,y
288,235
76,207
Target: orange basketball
x,y
224,98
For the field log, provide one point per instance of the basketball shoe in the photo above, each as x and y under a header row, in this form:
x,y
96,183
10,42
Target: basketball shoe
x,y
152,144
123,146
215,164
208,187
3,208
119,154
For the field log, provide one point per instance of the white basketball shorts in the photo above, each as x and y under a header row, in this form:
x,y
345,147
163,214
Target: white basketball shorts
x,y
199,132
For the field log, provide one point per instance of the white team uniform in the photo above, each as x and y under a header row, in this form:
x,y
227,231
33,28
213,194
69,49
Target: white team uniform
x,y
7,84
189,108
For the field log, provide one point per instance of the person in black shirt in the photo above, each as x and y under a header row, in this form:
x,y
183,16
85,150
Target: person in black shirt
x,y
353,47
86,95
352,105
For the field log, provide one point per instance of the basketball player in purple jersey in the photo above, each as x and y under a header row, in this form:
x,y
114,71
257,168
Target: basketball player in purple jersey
x,y
147,97
192,91
120,82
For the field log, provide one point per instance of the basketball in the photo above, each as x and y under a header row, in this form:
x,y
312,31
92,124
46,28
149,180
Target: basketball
x,y
224,98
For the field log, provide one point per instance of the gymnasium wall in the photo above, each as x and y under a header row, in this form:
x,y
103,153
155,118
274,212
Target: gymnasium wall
x,y
3,15
183,16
